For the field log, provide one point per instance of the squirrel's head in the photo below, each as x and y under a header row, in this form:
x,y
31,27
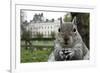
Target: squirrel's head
x,y
67,33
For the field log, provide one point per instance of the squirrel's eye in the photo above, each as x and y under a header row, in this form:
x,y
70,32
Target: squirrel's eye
x,y
74,30
59,30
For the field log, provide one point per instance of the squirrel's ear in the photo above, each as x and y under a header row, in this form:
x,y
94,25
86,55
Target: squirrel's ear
x,y
74,21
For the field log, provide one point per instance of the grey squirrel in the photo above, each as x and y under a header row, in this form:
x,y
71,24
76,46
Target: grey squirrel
x,y
69,44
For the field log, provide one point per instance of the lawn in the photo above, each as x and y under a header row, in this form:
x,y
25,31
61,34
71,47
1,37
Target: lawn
x,y
40,43
35,55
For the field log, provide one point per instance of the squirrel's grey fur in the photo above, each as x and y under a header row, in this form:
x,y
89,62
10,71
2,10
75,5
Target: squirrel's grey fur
x,y
69,44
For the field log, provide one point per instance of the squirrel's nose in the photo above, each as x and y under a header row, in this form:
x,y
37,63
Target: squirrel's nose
x,y
66,40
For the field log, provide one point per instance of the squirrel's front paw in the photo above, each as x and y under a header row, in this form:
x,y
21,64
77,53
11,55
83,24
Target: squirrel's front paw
x,y
65,54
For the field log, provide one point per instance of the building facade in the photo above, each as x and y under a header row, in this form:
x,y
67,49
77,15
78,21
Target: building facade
x,y
43,28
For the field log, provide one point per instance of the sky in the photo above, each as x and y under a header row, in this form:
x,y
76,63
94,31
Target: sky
x,y
47,15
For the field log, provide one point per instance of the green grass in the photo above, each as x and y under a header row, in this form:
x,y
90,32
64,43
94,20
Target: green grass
x,y
40,43
35,56
46,43
38,55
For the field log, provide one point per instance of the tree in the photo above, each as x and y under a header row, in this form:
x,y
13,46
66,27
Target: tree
x,y
23,26
25,23
82,21
67,17
26,34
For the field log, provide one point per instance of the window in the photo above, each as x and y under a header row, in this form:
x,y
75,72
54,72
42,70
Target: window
x,y
48,32
45,32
